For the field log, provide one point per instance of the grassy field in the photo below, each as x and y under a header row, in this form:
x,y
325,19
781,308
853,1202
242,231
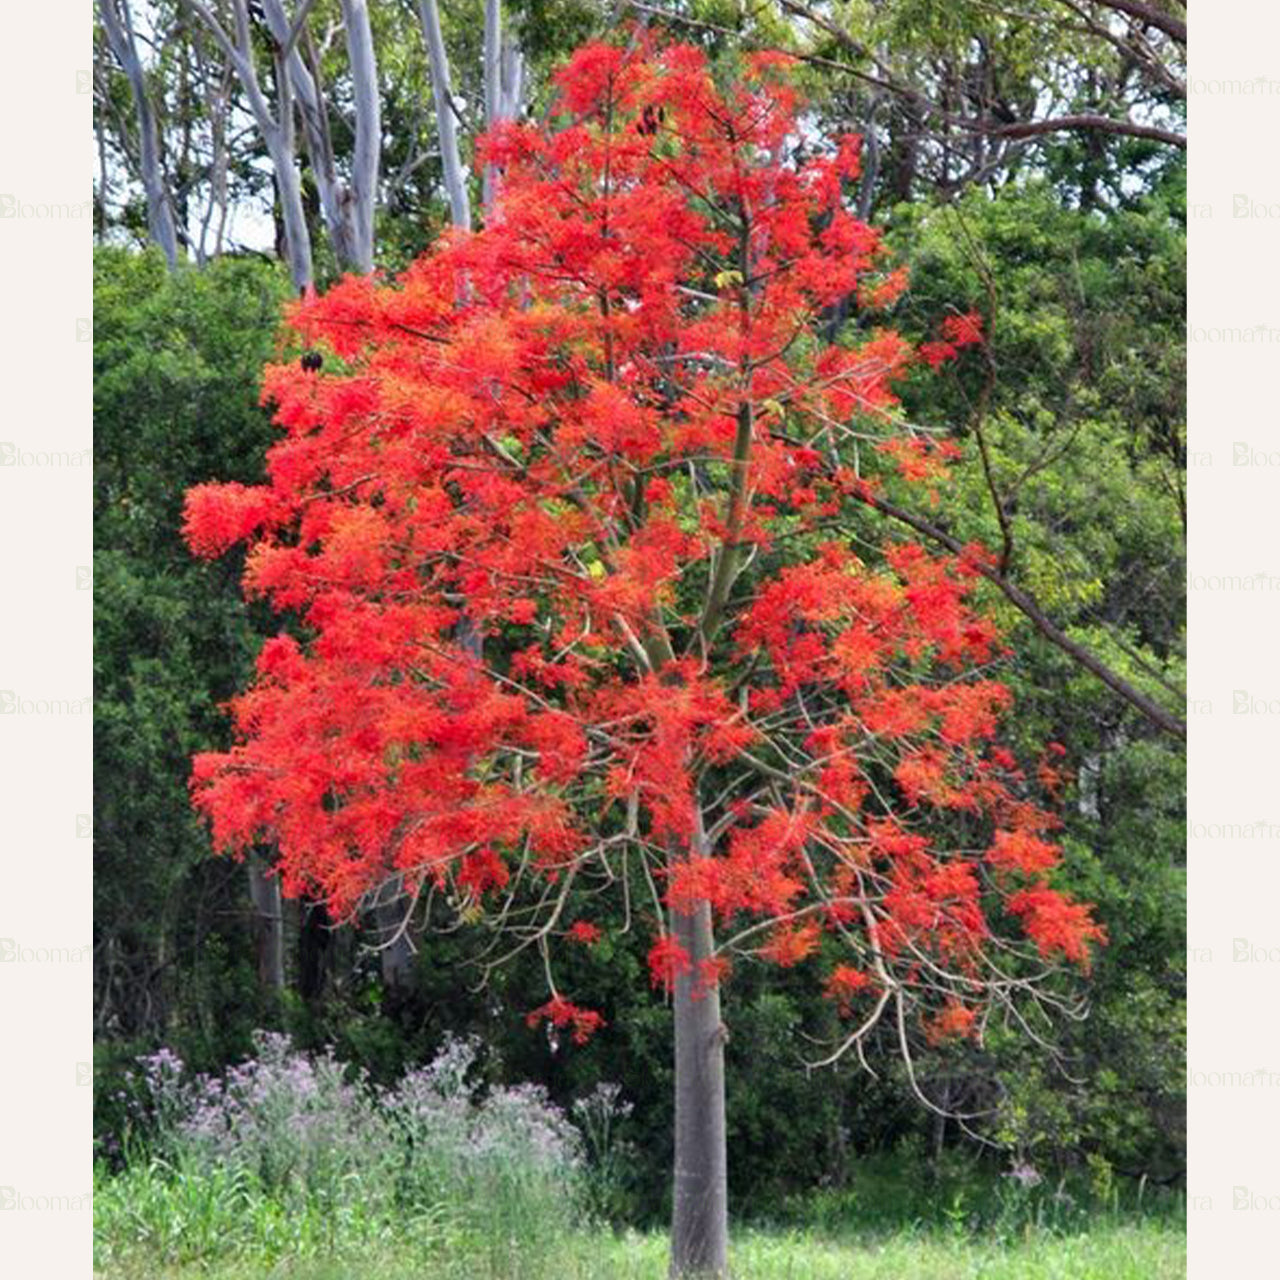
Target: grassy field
x,y
155,1221
290,1171
158,1223
1135,1252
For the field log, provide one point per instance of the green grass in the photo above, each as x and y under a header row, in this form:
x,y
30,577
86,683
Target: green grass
x,y
312,1178
158,1222
1135,1252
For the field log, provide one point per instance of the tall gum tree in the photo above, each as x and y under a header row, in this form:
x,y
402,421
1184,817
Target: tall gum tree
x,y
606,427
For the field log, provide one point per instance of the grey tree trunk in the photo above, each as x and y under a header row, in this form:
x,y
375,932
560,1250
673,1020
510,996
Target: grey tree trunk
x,y
280,146
308,93
492,83
348,207
700,1209
363,191
503,93
117,22
315,938
217,81
503,83
100,138
455,178
396,952
264,890
277,129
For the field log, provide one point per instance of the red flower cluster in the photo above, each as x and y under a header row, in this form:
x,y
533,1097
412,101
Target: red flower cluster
x,y
560,1012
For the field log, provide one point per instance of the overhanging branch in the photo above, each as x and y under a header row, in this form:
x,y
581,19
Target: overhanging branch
x,y
1152,710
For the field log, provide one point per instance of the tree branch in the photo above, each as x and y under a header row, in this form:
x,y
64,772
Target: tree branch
x,y
1103,124
1023,129
1152,710
1173,27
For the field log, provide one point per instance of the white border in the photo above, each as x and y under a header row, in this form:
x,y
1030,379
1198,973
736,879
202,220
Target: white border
x,y
46,1167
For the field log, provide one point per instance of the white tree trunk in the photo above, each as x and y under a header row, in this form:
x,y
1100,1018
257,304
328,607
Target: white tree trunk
x,y
313,109
455,177
368,144
117,22
276,129
503,83
297,238
348,207
217,81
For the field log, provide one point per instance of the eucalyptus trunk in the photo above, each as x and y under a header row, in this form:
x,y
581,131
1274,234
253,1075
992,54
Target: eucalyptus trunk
x,y
700,1208
117,22
455,178
276,127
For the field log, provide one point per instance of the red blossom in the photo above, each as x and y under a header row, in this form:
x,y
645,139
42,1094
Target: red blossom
x,y
1021,851
667,961
790,944
1056,924
844,984
563,1013
482,870
712,972
955,1021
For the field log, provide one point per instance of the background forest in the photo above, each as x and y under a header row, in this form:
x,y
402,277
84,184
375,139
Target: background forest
x,y
1027,162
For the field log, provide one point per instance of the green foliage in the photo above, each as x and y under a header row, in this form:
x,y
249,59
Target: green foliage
x,y
887,1196
176,362
934,71
1084,423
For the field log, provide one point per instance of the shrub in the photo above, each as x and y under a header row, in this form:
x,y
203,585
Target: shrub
x,y
304,1138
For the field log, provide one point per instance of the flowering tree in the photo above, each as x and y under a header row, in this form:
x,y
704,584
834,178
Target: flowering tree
x,y
570,541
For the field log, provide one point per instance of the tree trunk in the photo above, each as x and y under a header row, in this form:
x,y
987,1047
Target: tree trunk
x,y
503,84
280,147
313,949
308,95
363,191
492,84
455,180
294,216
276,129
396,953
118,25
217,105
700,1211
264,890
348,208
